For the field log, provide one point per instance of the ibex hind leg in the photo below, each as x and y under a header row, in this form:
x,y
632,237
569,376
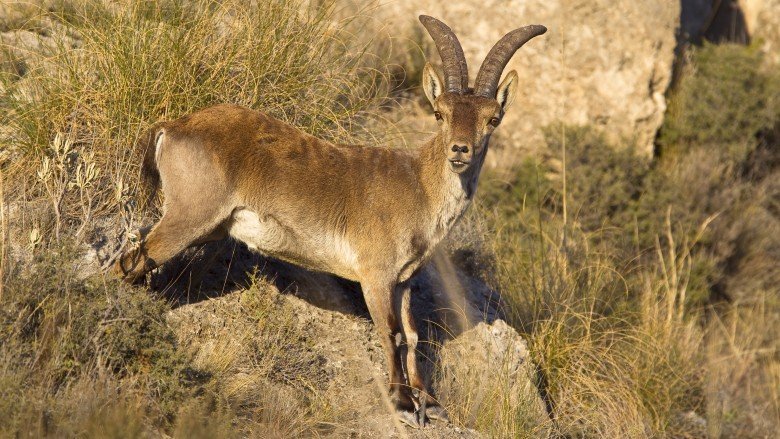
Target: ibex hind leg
x,y
178,229
194,210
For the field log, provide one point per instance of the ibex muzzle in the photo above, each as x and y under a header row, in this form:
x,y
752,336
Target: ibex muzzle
x,y
370,214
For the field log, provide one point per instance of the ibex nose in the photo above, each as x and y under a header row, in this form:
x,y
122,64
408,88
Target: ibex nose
x,y
460,148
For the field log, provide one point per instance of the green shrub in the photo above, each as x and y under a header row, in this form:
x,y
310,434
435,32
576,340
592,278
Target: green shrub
x,y
59,329
719,147
725,98
602,182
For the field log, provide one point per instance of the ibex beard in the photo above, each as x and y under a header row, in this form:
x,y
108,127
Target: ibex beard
x,y
369,214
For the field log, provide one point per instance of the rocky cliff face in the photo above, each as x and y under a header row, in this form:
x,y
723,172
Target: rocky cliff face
x,y
601,61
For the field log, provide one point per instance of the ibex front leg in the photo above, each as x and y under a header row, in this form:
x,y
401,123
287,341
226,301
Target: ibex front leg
x,y
425,406
381,306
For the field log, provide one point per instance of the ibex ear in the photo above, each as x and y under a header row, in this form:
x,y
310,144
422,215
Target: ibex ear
x,y
431,83
507,90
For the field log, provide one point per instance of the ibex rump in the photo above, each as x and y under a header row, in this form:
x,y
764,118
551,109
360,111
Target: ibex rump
x,y
368,214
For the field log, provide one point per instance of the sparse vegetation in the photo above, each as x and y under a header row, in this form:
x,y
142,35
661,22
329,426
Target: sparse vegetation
x,y
652,311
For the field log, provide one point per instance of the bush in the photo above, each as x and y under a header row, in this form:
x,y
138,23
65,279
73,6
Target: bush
x,y
602,183
59,330
724,100
719,148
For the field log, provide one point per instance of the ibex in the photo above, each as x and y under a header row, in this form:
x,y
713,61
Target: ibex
x,y
369,214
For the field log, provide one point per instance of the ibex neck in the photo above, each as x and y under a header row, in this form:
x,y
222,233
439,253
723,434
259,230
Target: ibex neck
x,y
449,194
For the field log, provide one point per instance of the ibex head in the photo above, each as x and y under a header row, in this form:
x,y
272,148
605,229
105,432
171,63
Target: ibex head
x,y
467,116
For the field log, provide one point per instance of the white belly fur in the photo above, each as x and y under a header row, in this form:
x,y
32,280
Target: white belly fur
x,y
321,251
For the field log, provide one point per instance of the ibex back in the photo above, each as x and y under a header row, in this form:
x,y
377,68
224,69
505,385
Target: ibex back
x,y
369,214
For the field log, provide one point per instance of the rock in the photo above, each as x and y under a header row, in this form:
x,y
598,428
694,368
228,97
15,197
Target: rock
x,y
485,361
762,18
602,61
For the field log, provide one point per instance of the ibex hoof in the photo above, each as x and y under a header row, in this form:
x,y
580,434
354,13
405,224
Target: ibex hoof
x,y
416,419
420,412
409,418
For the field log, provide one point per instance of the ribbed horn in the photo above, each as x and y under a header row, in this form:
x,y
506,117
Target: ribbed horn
x,y
456,73
498,57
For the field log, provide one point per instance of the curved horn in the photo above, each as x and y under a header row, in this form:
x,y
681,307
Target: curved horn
x,y
498,57
456,74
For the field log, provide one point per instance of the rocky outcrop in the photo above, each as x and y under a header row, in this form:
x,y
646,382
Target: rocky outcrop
x,y
483,363
258,342
601,62
320,333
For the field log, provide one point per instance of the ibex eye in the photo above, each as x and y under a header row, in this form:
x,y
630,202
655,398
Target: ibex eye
x,y
437,115
494,121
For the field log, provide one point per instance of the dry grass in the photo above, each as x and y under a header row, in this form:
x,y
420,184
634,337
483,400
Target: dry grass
x,y
266,380
611,365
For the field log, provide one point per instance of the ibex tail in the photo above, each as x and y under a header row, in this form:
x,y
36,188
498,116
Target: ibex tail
x,y
148,145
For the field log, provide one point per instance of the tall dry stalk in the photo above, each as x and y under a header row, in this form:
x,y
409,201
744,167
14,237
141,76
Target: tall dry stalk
x,y
3,234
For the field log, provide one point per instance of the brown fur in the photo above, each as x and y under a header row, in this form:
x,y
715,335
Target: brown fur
x,y
369,214
150,176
